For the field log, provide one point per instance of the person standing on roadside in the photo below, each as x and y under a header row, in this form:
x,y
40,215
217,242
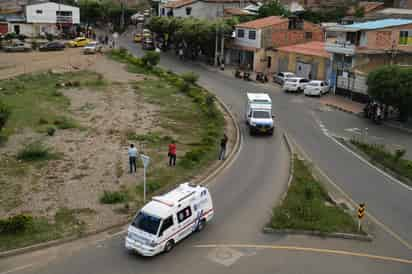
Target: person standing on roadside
x,y
172,153
132,152
223,143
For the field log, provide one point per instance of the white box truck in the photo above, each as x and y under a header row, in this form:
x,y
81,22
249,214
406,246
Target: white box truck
x,y
259,116
169,218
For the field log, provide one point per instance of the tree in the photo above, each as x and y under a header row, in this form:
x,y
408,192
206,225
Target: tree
x,y
272,8
4,115
359,12
392,85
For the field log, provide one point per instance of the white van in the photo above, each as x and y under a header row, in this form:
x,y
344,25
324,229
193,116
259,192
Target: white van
x,y
169,218
259,116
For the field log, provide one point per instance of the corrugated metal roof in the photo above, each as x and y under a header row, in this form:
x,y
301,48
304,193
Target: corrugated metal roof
x,y
379,24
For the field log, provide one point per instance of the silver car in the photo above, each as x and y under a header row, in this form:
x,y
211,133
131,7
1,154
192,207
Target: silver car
x,y
17,47
92,48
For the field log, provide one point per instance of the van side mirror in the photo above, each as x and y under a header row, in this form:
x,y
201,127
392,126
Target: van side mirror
x,y
273,116
249,115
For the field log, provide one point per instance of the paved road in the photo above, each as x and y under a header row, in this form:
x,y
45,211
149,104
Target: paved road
x,y
243,197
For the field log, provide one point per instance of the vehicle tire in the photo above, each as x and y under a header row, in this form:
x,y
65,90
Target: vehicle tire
x,y
271,132
201,225
251,132
169,246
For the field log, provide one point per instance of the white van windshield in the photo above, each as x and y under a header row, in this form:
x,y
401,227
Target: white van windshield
x,y
261,114
147,223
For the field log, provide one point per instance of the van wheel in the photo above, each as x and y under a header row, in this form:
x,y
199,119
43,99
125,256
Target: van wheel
x,y
201,225
169,246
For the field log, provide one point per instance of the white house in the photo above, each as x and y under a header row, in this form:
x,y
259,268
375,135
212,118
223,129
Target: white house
x,y
45,18
205,9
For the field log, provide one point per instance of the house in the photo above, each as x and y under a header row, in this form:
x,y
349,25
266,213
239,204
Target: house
x,y
312,4
362,47
402,4
206,9
309,60
255,43
44,18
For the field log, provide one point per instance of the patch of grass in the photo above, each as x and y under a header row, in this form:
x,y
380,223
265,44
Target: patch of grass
x,y
391,160
62,122
35,151
304,207
32,97
113,197
41,230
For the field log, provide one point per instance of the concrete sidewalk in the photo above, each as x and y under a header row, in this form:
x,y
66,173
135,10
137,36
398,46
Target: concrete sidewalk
x,y
343,104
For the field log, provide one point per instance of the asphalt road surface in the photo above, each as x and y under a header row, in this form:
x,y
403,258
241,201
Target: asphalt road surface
x,y
243,196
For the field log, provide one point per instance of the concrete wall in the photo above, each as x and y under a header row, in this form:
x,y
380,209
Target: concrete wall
x,y
33,30
46,13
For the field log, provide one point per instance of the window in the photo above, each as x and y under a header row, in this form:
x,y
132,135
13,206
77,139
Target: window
x,y
184,214
261,114
168,222
252,35
39,12
240,33
269,61
188,10
64,13
405,37
308,35
162,11
147,223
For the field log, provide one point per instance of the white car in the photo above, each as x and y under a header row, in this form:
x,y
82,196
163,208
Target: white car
x,y
282,76
316,88
295,84
92,48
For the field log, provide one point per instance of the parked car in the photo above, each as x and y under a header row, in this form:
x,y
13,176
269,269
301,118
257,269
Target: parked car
x,y
138,38
294,84
140,18
148,44
52,46
17,46
282,76
146,33
92,47
79,42
316,88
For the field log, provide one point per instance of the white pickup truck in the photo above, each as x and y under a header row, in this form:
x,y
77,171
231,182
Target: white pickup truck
x,y
259,116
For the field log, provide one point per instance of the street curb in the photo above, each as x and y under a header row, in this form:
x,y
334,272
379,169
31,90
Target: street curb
x,y
343,109
236,147
352,147
346,236
201,181
291,166
269,230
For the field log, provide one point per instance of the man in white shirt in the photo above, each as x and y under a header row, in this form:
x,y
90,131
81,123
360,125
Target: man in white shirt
x,y
132,152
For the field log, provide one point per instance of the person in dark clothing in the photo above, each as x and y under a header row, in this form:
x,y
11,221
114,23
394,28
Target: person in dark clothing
x,y
223,143
172,153
106,39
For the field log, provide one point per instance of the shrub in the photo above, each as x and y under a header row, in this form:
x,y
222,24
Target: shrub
x,y
34,152
151,186
16,224
151,59
113,197
51,131
190,77
4,115
43,121
399,153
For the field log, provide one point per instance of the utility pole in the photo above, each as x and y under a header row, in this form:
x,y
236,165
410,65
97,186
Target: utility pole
x,y
216,45
122,16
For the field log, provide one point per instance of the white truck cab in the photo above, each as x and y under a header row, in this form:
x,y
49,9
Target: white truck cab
x,y
259,116
169,218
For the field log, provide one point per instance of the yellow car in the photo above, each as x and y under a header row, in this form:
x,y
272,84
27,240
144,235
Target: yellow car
x,y
138,38
79,42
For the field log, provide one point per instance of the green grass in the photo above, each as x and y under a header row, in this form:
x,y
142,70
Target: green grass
x,y
36,98
35,152
114,197
65,224
305,208
391,160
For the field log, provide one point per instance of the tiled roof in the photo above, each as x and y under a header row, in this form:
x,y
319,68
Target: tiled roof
x,y
263,23
178,3
236,11
313,48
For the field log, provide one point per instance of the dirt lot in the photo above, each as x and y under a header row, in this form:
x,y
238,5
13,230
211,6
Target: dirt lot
x,y
95,155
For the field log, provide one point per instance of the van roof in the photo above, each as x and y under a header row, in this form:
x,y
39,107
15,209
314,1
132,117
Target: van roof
x,y
260,106
259,97
163,206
